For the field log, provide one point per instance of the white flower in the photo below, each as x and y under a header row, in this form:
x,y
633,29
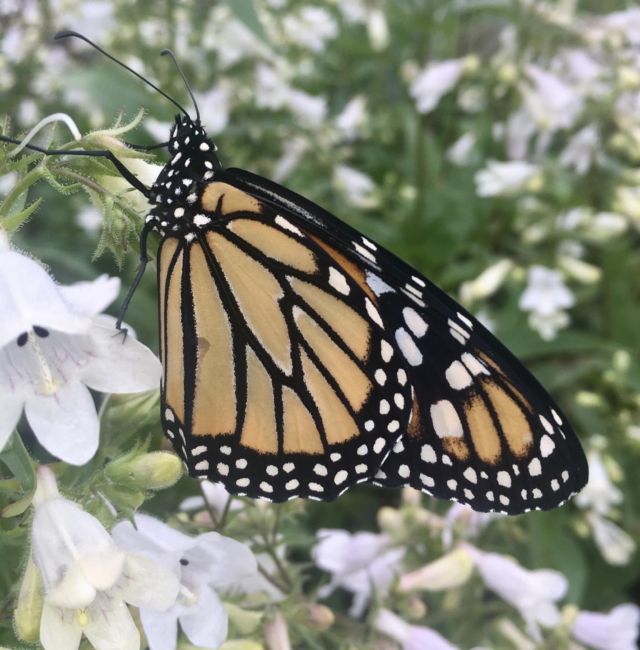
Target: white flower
x,y
352,118
87,579
90,219
459,153
616,546
53,345
466,522
532,593
378,29
546,296
447,572
357,187
206,565
503,178
292,151
487,283
434,81
551,102
362,563
215,105
311,27
582,150
517,133
616,630
599,495
272,91
410,637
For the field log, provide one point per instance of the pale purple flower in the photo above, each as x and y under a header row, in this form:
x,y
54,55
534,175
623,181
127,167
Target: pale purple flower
x,y
615,630
206,565
410,637
533,593
357,187
362,563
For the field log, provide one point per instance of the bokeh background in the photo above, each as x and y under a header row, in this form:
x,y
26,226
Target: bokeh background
x,y
493,144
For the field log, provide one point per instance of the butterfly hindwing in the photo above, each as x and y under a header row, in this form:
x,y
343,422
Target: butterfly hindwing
x,y
482,430
279,381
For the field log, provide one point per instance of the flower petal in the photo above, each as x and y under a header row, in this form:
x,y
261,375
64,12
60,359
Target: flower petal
x,y
205,622
160,628
120,366
90,298
59,629
65,423
220,561
151,537
111,626
74,553
148,584
29,296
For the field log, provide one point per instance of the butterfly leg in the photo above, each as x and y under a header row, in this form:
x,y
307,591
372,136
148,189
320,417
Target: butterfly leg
x,y
136,281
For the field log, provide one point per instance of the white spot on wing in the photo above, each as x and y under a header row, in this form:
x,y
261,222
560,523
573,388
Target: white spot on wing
x,y
338,281
458,376
446,420
414,322
408,347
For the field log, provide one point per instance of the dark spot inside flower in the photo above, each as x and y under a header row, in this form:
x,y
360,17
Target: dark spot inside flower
x,y
40,331
22,339
184,562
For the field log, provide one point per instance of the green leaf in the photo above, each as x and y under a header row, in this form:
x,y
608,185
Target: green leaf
x,y
245,12
16,457
16,220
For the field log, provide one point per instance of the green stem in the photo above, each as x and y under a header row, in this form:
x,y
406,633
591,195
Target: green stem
x,y
223,518
207,505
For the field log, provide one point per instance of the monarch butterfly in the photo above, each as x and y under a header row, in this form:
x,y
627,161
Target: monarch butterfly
x,y
301,358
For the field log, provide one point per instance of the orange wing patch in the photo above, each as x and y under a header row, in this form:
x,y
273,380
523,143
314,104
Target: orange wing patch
x,y
226,199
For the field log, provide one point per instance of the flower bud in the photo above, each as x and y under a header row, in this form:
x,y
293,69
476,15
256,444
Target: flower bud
x,y
319,617
579,270
244,621
152,471
447,572
390,519
276,633
29,606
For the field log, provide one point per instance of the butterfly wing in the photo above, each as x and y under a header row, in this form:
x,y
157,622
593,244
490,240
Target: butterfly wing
x,y
482,430
277,368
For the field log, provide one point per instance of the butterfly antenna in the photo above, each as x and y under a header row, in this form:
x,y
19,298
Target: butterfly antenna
x,y
69,33
186,83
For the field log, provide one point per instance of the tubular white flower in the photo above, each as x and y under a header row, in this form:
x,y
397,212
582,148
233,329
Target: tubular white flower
x,y
206,564
615,630
545,297
434,81
357,187
599,495
87,579
533,593
362,563
410,637
447,572
504,178
616,546
54,345
488,282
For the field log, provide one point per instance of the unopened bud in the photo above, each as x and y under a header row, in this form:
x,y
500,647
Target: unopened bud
x,y
236,644
390,519
447,572
276,633
29,606
244,621
319,617
155,470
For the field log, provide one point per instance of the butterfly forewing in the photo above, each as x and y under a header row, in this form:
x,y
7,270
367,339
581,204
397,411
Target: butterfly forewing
x,y
481,429
283,383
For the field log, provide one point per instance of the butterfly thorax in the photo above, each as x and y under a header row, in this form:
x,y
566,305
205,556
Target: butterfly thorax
x,y
175,194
